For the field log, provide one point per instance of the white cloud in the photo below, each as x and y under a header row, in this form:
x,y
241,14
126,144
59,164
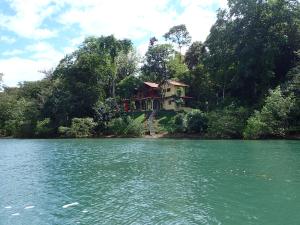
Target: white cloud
x,y
17,69
135,19
28,19
12,52
43,56
140,19
131,19
44,51
7,39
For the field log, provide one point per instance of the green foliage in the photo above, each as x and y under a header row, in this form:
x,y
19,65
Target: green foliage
x,y
126,127
201,88
17,116
176,68
196,121
80,128
195,55
252,46
272,119
178,35
43,128
155,67
165,120
227,123
127,87
179,123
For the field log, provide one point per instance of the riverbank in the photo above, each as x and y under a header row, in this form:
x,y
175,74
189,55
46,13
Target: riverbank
x,y
164,135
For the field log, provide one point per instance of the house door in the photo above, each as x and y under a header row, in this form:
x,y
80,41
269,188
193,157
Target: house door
x,y
156,104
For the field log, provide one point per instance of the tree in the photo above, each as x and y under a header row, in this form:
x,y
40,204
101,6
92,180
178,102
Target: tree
x,y
1,80
152,41
176,68
127,64
272,120
196,121
252,46
127,87
155,68
195,55
114,48
82,77
178,35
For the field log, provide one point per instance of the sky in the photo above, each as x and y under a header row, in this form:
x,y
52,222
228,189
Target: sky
x,y
36,34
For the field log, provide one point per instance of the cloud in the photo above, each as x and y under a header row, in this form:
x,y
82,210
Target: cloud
x,y
7,39
12,52
29,17
44,51
38,20
41,56
131,19
17,69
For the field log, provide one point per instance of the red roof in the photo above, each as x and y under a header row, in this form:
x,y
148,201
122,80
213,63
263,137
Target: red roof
x,y
173,82
176,83
150,84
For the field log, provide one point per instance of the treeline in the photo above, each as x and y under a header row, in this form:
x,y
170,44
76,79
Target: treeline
x,y
244,80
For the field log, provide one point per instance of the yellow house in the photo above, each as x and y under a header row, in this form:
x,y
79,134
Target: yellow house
x,y
173,95
151,96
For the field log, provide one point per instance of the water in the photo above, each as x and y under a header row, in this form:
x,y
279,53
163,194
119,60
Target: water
x,y
140,181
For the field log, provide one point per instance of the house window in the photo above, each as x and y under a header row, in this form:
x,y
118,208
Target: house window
x,y
168,89
170,102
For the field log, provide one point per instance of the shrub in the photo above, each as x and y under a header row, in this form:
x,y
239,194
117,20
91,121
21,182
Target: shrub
x,y
64,131
80,128
117,126
196,121
272,119
179,123
227,123
43,128
126,127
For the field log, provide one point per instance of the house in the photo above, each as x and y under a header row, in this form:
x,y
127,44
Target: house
x,y
151,96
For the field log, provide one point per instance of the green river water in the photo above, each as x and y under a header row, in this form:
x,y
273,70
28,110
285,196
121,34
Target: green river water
x,y
147,181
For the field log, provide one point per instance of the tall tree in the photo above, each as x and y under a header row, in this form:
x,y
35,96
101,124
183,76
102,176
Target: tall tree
x,y
252,47
178,35
114,48
195,54
155,67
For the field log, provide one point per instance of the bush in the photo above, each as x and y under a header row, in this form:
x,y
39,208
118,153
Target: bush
x,y
80,128
117,126
179,123
272,120
126,127
227,123
43,128
196,121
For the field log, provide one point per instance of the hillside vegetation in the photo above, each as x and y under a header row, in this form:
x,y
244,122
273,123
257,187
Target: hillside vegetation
x,y
244,81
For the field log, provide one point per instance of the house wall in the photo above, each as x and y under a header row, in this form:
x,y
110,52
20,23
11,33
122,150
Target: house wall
x,y
168,106
173,90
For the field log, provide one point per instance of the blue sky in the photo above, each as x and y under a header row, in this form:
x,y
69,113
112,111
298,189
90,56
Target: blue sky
x,y
36,34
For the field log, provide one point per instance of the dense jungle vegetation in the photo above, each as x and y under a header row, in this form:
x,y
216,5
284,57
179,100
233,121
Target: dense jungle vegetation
x,y
244,80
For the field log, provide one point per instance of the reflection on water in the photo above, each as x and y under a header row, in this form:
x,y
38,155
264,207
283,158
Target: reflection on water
x,y
139,181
